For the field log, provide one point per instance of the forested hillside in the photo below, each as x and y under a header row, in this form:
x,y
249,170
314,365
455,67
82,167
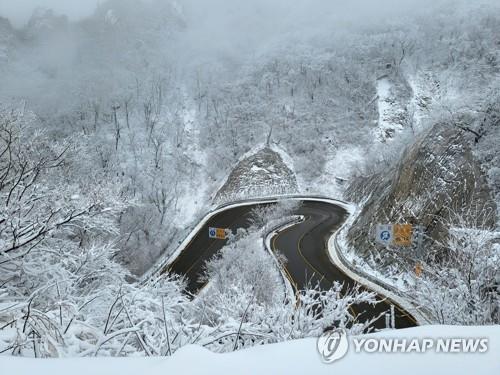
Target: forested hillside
x,y
118,131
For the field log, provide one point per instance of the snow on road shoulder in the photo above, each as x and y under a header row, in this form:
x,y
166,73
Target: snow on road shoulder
x,y
288,288
167,259
349,254
341,253
292,357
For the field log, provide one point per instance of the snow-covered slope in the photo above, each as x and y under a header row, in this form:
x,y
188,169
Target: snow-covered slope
x,y
259,174
293,357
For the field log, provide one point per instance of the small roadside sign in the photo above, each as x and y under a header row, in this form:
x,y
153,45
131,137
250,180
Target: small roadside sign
x,y
418,269
402,234
217,233
383,234
397,234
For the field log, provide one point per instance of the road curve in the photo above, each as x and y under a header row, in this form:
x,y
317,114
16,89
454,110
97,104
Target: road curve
x,y
303,244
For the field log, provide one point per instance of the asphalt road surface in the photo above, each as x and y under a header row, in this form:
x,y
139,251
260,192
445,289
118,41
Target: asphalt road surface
x,y
304,245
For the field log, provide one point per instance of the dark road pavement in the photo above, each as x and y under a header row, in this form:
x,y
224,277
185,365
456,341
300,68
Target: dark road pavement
x,y
304,245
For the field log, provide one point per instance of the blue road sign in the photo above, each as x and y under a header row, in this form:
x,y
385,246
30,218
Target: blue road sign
x,y
383,234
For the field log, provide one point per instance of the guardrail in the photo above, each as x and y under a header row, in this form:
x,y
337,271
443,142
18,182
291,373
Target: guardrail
x,y
398,296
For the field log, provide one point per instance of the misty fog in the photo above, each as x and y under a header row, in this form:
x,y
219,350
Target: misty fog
x,y
195,34
124,122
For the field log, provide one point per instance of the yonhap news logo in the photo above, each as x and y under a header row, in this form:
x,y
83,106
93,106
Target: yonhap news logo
x,y
334,344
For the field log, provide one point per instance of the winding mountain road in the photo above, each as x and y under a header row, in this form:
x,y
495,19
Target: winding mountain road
x,y
303,244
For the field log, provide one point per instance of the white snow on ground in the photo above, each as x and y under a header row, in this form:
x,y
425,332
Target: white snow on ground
x,y
286,280
338,170
338,258
278,225
190,201
418,102
383,91
255,149
169,258
381,288
263,173
401,281
292,357
425,93
287,159
388,108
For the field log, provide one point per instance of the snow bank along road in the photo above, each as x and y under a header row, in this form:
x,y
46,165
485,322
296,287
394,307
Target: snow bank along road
x,y
303,244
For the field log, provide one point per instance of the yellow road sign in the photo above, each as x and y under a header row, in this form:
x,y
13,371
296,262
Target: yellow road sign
x,y
402,234
418,269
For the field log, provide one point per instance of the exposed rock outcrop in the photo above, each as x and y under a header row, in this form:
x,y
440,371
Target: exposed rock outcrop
x,y
437,177
263,173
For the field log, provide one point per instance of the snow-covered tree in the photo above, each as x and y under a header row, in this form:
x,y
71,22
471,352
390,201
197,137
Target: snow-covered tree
x,y
460,282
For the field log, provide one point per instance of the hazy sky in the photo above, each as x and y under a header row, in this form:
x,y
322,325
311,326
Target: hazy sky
x,y
18,11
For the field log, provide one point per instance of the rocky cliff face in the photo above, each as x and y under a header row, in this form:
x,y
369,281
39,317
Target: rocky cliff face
x,y
264,173
437,178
